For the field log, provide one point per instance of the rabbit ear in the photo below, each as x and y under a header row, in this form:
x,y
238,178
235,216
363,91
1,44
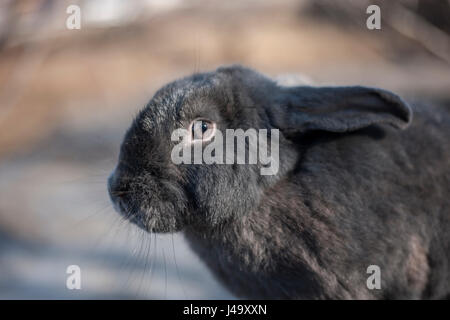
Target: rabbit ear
x,y
337,109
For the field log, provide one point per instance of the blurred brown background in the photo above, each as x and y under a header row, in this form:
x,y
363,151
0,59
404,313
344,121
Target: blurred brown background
x,y
67,96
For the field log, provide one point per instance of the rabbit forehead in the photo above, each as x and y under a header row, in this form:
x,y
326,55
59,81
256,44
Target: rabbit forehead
x,y
178,100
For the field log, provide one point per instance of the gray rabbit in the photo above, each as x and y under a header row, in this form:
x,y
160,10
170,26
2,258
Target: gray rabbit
x,y
358,184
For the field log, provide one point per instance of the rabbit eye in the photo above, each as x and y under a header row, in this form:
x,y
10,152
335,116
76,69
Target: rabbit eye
x,y
202,130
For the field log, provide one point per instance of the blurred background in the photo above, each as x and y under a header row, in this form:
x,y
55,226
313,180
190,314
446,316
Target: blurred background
x,y
67,97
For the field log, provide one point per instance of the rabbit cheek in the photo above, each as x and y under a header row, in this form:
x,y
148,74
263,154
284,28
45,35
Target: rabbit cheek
x,y
224,192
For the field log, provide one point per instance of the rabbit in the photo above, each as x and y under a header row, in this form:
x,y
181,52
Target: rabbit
x,y
359,184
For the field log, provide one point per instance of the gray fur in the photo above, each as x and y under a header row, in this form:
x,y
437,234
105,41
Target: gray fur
x,y
359,184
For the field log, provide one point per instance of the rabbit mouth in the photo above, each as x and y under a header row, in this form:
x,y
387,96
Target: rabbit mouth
x,y
147,212
147,218
125,210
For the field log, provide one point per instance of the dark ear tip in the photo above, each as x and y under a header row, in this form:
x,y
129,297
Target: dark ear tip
x,y
409,117
403,112
407,114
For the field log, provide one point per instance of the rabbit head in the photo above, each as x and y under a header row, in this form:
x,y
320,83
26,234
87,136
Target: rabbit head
x,y
162,196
